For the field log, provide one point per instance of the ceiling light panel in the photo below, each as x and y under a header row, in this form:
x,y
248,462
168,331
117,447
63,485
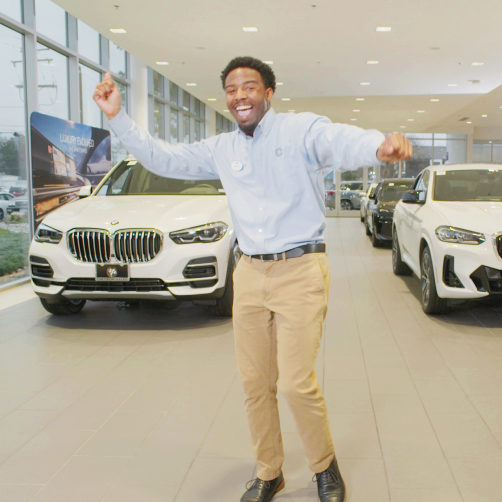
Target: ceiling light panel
x,y
249,28
362,99
279,83
477,64
365,83
191,84
268,62
211,99
452,85
286,99
383,28
118,30
420,111
434,100
356,111
161,63
372,62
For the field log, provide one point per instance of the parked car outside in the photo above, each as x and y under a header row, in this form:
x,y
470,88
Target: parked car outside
x,y
137,237
351,193
5,198
365,200
448,231
380,210
17,204
18,191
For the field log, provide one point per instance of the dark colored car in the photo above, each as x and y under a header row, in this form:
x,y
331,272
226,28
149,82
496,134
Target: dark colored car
x,y
18,191
380,211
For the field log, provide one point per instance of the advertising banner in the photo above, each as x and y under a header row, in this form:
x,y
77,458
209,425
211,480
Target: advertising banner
x,y
65,157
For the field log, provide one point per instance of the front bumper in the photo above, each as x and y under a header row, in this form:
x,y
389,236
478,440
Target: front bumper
x,y
384,227
178,272
475,270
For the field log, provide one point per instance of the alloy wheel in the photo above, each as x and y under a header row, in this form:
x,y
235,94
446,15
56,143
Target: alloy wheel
x,y
426,279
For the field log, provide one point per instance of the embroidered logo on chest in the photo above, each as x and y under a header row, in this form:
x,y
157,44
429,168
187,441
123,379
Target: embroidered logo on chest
x,y
278,152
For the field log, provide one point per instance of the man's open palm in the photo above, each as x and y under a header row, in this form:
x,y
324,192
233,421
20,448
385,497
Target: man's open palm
x,y
107,97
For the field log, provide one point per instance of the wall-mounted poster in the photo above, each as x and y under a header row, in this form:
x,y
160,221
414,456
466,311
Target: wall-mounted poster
x,y
65,156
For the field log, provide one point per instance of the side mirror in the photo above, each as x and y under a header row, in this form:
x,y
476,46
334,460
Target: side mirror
x,y
372,196
85,191
412,197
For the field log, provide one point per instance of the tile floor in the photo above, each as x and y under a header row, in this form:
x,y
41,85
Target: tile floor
x,y
146,406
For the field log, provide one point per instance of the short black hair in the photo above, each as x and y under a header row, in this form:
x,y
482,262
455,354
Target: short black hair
x,y
263,69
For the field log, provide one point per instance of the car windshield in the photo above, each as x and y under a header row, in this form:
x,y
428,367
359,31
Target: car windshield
x,y
394,190
131,178
468,185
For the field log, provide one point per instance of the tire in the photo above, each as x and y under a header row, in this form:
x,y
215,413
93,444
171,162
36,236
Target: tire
x,y
63,307
362,217
431,303
368,231
346,205
375,241
224,305
1,215
398,265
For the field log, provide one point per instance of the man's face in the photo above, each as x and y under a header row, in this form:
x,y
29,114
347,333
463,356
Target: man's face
x,y
247,98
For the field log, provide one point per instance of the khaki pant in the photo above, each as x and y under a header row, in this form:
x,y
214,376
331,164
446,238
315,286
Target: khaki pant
x,y
279,308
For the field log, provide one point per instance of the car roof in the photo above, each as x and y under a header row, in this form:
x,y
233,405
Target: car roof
x,y
461,167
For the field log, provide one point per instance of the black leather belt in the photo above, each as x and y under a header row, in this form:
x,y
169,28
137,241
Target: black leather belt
x,y
292,253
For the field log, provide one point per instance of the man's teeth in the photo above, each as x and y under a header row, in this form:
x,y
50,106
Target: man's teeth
x,y
243,108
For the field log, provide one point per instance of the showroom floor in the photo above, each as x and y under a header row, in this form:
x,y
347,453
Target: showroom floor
x,y
145,405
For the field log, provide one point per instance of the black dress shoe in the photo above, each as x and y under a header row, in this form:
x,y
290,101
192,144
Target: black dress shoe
x,y
330,485
263,491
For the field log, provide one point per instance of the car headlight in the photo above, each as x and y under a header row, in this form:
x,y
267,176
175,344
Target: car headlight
x,y
48,234
205,233
12,204
459,235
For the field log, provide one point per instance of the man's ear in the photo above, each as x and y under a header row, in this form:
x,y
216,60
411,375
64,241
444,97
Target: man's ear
x,y
268,94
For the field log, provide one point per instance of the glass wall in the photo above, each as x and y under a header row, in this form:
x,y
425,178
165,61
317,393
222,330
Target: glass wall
x,y
487,152
170,121
90,114
223,124
11,8
118,60
52,89
53,98
89,44
51,20
14,229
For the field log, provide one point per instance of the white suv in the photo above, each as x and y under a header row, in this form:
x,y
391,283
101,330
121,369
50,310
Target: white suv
x,y
448,231
137,237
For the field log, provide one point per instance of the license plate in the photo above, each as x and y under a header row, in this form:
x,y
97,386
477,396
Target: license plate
x,y
112,273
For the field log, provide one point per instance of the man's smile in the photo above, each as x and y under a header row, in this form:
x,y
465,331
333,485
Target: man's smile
x,y
243,111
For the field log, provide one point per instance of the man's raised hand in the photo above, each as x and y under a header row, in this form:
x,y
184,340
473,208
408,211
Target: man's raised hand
x,y
107,97
395,148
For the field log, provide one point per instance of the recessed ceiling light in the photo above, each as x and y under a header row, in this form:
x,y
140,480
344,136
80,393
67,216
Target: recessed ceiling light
x,y
356,110
383,28
161,63
279,83
118,30
372,62
362,99
452,85
226,111
268,62
434,100
402,127
468,122
484,115
211,99
191,84
249,28
365,83
411,120
286,99
420,111
353,119
291,110
477,64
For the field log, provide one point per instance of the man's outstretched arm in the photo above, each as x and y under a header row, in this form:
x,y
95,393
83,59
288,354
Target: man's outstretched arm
x,y
183,162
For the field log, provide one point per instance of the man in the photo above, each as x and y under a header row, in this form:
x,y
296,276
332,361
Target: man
x,y
271,169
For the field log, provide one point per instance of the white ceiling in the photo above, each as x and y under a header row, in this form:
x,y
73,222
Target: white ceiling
x,y
320,53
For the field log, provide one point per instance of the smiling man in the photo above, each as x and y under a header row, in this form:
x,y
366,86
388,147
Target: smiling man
x,y
272,170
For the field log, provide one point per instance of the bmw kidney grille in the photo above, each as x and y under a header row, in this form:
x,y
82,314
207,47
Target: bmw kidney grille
x,y
129,246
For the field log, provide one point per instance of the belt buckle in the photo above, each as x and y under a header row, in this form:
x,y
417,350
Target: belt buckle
x,y
273,259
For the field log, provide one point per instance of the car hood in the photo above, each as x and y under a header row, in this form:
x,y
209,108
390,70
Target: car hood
x,y
484,217
166,213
